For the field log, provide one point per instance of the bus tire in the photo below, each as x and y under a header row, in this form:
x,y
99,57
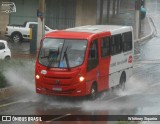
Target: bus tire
x,y
93,92
122,81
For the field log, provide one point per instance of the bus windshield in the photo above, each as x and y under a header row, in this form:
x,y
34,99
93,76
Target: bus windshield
x,y
62,53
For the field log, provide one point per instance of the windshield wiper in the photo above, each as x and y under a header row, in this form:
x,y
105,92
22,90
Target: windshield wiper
x,y
66,58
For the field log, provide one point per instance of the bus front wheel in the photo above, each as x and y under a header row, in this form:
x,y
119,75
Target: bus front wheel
x,y
93,92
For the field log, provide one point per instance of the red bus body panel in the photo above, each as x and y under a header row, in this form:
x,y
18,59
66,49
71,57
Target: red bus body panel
x,y
66,82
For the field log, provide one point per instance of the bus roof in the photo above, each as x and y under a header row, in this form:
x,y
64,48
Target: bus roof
x,y
84,32
99,28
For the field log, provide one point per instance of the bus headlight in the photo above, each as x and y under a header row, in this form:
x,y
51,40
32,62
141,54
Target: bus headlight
x,y
37,77
81,78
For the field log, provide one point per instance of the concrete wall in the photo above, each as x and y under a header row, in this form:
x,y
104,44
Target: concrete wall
x,y
86,12
60,14
26,10
4,21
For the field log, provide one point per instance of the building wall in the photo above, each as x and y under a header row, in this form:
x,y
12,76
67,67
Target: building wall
x,y
86,12
4,21
60,14
26,10
126,14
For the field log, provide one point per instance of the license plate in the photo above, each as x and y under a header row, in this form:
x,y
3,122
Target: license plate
x,y
57,89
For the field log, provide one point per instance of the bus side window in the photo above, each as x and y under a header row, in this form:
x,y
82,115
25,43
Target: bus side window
x,y
116,44
105,47
93,55
112,42
127,41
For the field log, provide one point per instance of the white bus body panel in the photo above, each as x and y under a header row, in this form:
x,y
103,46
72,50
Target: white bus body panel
x,y
121,62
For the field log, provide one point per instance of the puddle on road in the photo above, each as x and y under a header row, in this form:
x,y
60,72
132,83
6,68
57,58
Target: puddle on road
x,y
119,99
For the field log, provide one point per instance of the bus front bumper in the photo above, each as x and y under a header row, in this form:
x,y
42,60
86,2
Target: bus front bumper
x,y
75,90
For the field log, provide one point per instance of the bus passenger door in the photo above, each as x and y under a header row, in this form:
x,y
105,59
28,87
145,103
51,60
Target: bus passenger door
x,y
92,65
104,60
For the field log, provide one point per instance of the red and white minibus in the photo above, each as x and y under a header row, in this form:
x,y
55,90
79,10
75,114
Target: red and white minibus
x,y
84,60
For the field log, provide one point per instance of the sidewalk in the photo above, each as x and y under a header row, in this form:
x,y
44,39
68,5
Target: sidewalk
x,y
21,50
23,56
145,27
146,30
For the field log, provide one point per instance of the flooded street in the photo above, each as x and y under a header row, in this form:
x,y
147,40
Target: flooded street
x,y
141,96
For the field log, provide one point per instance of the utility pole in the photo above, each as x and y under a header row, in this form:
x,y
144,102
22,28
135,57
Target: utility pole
x,y
137,18
118,4
114,7
101,12
41,21
108,11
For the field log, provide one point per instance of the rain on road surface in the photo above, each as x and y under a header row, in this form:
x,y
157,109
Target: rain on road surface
x,y
140,97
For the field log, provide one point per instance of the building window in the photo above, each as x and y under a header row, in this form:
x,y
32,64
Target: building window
x,y
127,41
105,44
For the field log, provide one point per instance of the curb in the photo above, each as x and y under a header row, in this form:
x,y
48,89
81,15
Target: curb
x,y
148,36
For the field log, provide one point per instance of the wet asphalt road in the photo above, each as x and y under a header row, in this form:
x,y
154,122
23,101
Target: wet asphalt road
x,y
141,96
